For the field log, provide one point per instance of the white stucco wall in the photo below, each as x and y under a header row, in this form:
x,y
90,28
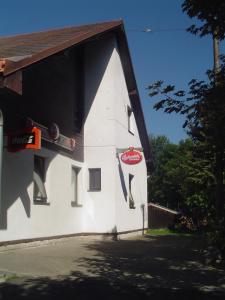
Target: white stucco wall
x,y
105,130
24,219
126,218
99,132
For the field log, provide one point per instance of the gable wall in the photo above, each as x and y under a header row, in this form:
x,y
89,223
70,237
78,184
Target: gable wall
x,y
105,130
99,132
128,219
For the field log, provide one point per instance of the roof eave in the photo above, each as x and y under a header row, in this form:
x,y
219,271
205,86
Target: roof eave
x,y
12,66
12,73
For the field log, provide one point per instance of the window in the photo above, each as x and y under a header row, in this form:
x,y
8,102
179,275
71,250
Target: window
x,y
39,176
76,186
95,179
131,199
130,120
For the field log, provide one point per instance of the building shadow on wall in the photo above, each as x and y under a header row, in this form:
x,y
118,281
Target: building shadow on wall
x,y
122,179
16,181
95,73
95,70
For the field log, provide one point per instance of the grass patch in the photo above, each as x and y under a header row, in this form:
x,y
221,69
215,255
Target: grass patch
x,y
166,231
7,277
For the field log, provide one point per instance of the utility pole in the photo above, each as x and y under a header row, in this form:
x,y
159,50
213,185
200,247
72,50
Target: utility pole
x,y
216,53
219,161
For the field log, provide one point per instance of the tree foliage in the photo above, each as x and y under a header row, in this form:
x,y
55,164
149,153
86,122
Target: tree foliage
x,y
199,175
211,13
204,108
181,181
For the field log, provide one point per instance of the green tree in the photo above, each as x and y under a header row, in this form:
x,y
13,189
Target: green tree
x,y
158,144
162,189
212,17
211,13
204,108
181,181
197,185
203,105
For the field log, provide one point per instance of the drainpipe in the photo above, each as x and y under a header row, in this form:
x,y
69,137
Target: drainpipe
x,y
2,67
1,155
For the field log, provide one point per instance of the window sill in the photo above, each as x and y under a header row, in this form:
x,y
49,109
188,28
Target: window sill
x,y
38,202
74,204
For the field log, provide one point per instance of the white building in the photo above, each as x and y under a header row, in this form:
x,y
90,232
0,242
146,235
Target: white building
x,y
81,79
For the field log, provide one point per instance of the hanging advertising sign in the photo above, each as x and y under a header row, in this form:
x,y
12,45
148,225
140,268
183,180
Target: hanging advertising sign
x,y
131,157
52,135
26,139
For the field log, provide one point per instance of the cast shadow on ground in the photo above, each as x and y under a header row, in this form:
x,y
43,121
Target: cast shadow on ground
x,y
131,269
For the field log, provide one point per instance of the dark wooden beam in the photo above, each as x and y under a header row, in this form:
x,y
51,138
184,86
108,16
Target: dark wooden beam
x,y
13,82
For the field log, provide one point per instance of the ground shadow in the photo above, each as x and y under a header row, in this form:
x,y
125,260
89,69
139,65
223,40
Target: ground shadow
x,y
147,268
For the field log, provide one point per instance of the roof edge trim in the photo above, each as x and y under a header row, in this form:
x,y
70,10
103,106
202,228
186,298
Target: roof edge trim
x,y
11,67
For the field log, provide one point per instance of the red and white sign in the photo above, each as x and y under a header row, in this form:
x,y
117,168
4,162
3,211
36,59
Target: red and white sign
x,y
25,139
131,157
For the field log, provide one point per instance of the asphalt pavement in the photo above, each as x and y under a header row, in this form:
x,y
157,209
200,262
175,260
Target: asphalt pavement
x,y
165,267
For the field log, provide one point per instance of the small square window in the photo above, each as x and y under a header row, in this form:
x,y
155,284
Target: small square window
x,y
39,175
95,179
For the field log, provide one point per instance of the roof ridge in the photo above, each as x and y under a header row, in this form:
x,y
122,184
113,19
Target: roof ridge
x,y
60,28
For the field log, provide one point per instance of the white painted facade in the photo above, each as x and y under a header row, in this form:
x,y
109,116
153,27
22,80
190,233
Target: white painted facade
x,y
105,130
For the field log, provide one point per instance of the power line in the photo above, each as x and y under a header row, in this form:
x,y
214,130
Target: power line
x,y
150,30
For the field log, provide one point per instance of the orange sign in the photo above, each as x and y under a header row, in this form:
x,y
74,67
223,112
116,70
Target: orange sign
x,y
26,139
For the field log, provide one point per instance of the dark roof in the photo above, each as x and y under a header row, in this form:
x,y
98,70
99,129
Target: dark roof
x,y
22,50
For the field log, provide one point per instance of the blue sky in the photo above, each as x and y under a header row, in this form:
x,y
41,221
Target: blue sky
x,y
174,56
